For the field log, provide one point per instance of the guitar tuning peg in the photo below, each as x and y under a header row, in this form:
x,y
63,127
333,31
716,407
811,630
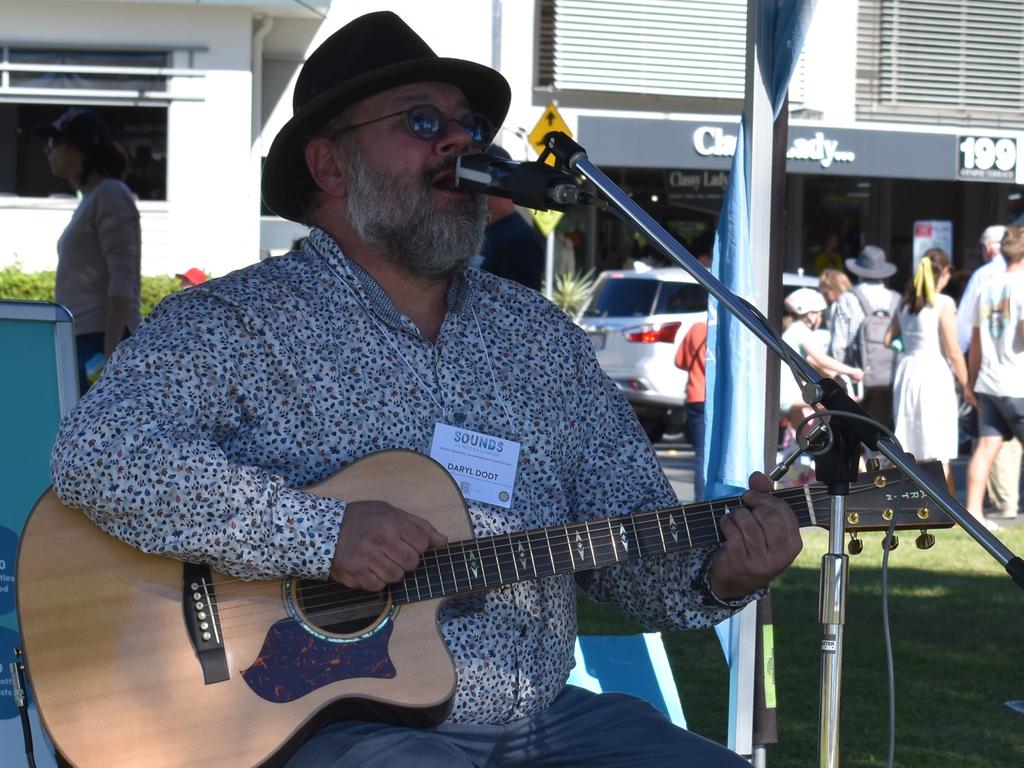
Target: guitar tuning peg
x,y
895,542
924,541
856,546
873,465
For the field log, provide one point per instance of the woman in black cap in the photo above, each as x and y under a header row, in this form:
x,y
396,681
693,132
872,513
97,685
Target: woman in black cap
x,y
99,254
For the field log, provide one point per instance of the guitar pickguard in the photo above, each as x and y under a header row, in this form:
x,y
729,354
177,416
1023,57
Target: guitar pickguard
x,y
293,663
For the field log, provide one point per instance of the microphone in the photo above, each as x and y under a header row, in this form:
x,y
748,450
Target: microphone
x,y
533,184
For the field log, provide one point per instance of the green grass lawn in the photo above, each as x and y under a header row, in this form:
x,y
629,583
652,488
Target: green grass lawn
x,y
956,620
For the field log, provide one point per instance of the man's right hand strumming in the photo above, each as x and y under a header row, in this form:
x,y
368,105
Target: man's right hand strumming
x,y
379,543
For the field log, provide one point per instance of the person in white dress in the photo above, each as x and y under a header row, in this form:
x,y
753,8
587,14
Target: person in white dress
x,y
924,394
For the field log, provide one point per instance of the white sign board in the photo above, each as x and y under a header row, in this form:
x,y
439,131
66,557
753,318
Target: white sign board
x,y
988,158
932,234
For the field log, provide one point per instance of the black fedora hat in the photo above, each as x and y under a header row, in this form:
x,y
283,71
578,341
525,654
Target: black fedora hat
x,y
371,54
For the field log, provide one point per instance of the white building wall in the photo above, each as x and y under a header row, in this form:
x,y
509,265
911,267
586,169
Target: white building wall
x,y
829,62
213,188
518,42
211,216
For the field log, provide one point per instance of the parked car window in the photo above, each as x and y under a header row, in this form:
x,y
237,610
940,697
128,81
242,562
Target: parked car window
x,y
676,298
622,298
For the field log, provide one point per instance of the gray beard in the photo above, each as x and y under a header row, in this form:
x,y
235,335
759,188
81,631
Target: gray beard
x,y
394,215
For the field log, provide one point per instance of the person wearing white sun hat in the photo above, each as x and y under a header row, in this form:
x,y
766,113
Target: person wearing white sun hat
x,y
806,307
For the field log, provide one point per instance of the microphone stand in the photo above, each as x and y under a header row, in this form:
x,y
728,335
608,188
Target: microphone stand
x,y
837,468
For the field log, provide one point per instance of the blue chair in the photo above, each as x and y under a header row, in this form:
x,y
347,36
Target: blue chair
x,y
39,385
633,664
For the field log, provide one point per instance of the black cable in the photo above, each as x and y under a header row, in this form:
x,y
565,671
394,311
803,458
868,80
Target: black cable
x,y
26,729
886,633
21,700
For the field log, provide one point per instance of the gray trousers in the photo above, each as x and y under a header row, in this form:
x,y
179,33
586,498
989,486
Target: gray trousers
x,y
1004,479
581,729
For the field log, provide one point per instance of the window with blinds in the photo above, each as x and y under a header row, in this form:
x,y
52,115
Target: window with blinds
x,y
41,74
941,61
661,48
27,68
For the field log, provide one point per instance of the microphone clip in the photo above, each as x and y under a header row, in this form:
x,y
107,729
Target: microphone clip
x,y
530,184
538,186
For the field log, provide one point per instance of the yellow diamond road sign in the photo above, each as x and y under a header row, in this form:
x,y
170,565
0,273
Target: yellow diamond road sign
x,y
547,220
550,121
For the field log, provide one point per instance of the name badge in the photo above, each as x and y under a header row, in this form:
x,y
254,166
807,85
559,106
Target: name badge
x,y
483,466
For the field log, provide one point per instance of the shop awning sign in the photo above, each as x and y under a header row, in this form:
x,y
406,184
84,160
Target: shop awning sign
x,y
987,158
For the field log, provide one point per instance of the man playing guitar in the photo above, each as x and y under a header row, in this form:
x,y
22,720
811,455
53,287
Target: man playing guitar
x,y
237,394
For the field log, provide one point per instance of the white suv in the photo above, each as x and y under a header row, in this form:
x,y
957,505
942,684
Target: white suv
x,y
636,321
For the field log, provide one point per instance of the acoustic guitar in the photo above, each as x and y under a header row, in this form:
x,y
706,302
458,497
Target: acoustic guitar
x,y
140,660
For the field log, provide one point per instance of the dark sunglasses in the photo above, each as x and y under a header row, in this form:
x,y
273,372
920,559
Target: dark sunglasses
x,y
427,122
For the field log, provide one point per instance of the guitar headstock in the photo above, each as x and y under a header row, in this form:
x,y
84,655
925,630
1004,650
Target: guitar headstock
x,y
871,504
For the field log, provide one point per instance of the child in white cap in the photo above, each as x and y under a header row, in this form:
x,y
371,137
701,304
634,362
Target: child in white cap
x,y
806,307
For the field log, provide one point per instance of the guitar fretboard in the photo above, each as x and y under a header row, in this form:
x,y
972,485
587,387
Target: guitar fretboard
x,y
491,562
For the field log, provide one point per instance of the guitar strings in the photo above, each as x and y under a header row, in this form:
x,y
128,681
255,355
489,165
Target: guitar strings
x,y
442,561
440,558
342,597
503,544
239,618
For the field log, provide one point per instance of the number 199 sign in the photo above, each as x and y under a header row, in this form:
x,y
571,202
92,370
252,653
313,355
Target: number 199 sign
x,y
988,158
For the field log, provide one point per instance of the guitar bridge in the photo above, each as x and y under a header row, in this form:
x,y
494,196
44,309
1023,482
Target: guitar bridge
x,y
202,619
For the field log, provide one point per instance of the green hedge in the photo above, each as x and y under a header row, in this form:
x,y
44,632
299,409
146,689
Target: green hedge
x,y
38,286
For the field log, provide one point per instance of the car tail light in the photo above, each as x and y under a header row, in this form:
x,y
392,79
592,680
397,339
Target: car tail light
x,y
649,334
634,384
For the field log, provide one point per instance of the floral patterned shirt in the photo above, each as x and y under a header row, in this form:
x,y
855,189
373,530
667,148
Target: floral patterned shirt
x,y
236,394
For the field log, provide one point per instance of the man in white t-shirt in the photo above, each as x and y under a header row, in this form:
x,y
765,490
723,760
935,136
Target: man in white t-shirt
x,y
1004,478
993,264
996,361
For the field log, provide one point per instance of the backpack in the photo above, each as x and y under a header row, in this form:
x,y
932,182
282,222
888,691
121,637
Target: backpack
x,y
870,352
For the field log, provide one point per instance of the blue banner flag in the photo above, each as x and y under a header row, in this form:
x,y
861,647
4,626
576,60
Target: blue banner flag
x,y
734,405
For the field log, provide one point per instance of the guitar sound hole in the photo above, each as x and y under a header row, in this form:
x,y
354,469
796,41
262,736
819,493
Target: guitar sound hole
x,y
338,609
